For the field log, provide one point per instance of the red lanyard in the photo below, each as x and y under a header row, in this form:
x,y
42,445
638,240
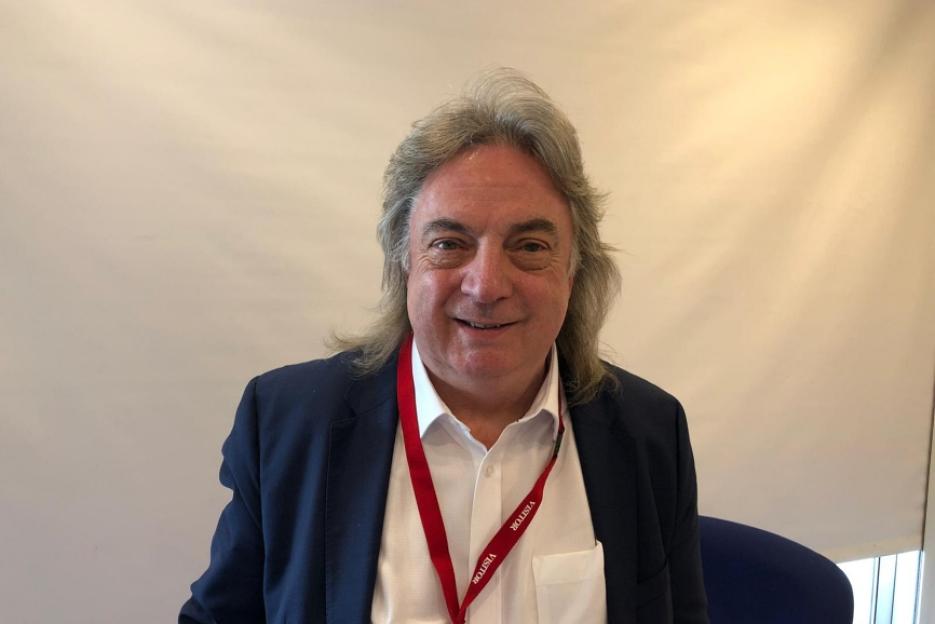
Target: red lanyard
x,y
427,501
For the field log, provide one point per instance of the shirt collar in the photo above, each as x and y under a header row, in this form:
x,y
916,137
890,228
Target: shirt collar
x,y
430,407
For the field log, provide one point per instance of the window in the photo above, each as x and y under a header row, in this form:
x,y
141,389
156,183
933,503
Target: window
x,y
886,589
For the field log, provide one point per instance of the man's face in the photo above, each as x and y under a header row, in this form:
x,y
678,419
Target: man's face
x,y
490,241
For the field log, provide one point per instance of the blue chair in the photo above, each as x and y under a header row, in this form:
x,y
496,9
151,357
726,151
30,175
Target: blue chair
x,y
756,577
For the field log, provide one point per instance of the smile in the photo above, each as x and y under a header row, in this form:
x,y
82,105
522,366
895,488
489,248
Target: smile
x,y
474,325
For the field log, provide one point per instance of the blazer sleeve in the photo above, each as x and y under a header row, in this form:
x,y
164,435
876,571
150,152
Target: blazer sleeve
x,y
231,589
689,601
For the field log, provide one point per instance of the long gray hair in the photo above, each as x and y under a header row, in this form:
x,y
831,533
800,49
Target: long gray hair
x,y
504,107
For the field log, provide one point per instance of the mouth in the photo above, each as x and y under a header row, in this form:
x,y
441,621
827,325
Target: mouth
x,y
483,326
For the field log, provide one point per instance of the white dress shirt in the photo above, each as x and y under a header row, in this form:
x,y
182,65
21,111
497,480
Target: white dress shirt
x,y
555,573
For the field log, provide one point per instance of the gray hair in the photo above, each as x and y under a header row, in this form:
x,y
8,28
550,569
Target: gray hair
x,y
503,107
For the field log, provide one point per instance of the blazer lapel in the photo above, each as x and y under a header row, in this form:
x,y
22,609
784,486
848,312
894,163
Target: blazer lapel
x,y
359,460
607,464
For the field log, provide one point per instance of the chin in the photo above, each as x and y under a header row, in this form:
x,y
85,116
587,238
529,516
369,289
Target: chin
x,y
487,367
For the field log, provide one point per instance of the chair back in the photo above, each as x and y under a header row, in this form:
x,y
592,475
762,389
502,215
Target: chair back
x,y
759,577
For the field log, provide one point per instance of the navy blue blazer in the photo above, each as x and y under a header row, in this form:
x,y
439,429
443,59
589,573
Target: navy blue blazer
x,y
308,461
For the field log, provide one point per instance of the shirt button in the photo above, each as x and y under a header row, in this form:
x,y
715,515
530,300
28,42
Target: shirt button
x,y
488,471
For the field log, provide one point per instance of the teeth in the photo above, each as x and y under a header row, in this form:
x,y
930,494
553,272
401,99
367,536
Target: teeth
x,y
483,326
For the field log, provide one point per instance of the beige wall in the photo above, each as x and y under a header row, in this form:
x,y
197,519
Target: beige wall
x,y
188,193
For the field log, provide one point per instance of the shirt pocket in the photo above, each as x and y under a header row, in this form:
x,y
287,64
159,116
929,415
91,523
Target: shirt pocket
x,y
570,587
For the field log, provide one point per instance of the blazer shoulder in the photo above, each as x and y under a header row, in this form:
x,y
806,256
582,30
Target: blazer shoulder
x,y
636,392
332,374
329,386
653,422
642,408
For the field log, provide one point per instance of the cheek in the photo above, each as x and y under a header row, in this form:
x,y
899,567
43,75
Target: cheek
x,y
426,296
412,300
552,302
437,284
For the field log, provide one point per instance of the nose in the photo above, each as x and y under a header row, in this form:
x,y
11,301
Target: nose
x,y
486,278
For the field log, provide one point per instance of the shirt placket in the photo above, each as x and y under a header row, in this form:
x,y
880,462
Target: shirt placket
x,y
486,519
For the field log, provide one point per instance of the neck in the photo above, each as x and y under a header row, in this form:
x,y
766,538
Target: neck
x,y
487,408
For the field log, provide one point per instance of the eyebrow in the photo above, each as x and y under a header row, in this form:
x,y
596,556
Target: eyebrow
x,y
445,224
534,225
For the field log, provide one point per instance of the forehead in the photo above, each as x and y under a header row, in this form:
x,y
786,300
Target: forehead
x,y
492,183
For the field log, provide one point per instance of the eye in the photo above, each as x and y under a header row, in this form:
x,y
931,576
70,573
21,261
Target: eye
x,y
531,254
447,252
446,244
531,246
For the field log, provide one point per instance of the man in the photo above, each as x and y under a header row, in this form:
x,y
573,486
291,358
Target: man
x,y
471,459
